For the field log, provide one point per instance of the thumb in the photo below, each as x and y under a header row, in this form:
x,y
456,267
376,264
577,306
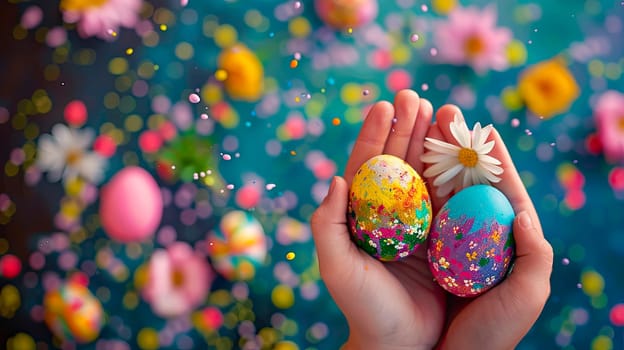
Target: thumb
x,y
534,255
527,287
329,229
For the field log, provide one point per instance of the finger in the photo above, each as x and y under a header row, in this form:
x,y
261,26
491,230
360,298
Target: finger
x,y
329,230
372,138
534,255
406,105
421,128
511,184
437,201
444,117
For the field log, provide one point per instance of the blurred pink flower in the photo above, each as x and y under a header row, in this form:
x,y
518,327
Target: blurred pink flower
x,y
609,115
101,18
178,280
469,36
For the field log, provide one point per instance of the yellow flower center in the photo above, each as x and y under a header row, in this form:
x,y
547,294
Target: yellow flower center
x,y
73,157
468,157
474,46
177,278
546,87
81,5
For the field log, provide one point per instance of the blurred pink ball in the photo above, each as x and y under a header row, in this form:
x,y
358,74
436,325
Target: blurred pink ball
x,y
343,14
398,80
212,317
248,196
167,131
10,266
295,127
131,205
75,113
32,17
617,315
56,37
150,141
324,169
616,179
105,146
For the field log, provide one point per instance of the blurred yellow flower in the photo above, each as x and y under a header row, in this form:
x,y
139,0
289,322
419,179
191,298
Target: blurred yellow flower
x,y
548,88
241,72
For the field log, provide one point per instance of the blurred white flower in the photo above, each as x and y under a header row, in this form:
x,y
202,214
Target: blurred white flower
x,y
464,165
63,154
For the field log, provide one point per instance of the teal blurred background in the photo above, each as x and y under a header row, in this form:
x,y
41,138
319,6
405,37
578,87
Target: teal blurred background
x,y
324,93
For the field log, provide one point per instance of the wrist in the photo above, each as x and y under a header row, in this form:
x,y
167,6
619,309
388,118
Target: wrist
x,y
358,343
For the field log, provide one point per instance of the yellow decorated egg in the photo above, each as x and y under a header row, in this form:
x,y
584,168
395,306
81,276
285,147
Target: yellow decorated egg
x,y
73,313
389,211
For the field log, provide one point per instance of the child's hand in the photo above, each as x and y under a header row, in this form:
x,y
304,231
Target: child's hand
x,y
499,318
388,305
398,304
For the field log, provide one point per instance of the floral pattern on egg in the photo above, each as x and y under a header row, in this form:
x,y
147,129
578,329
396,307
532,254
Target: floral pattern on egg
x,y
472,245
389,212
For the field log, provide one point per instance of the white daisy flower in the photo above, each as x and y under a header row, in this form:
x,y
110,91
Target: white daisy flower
x,y
466,164
63,154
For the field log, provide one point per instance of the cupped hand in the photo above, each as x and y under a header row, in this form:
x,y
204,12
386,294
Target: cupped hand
x,y
501,317
390,305
398,305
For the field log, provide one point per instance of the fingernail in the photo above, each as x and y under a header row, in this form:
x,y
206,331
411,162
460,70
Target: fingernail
x,y
524,219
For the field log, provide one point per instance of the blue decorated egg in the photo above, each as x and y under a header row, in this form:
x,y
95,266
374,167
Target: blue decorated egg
x,y
389,212
472,245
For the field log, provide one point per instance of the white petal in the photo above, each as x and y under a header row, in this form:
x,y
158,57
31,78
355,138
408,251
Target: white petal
x,y
488,175
494,169
476,135
49,154
494,179
91,167
485,132
484,158
467,179
484,148
71,172
460,132
46,142
474,179
83,138
440,167
64,136
448,175
434,157
440,146
54,176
